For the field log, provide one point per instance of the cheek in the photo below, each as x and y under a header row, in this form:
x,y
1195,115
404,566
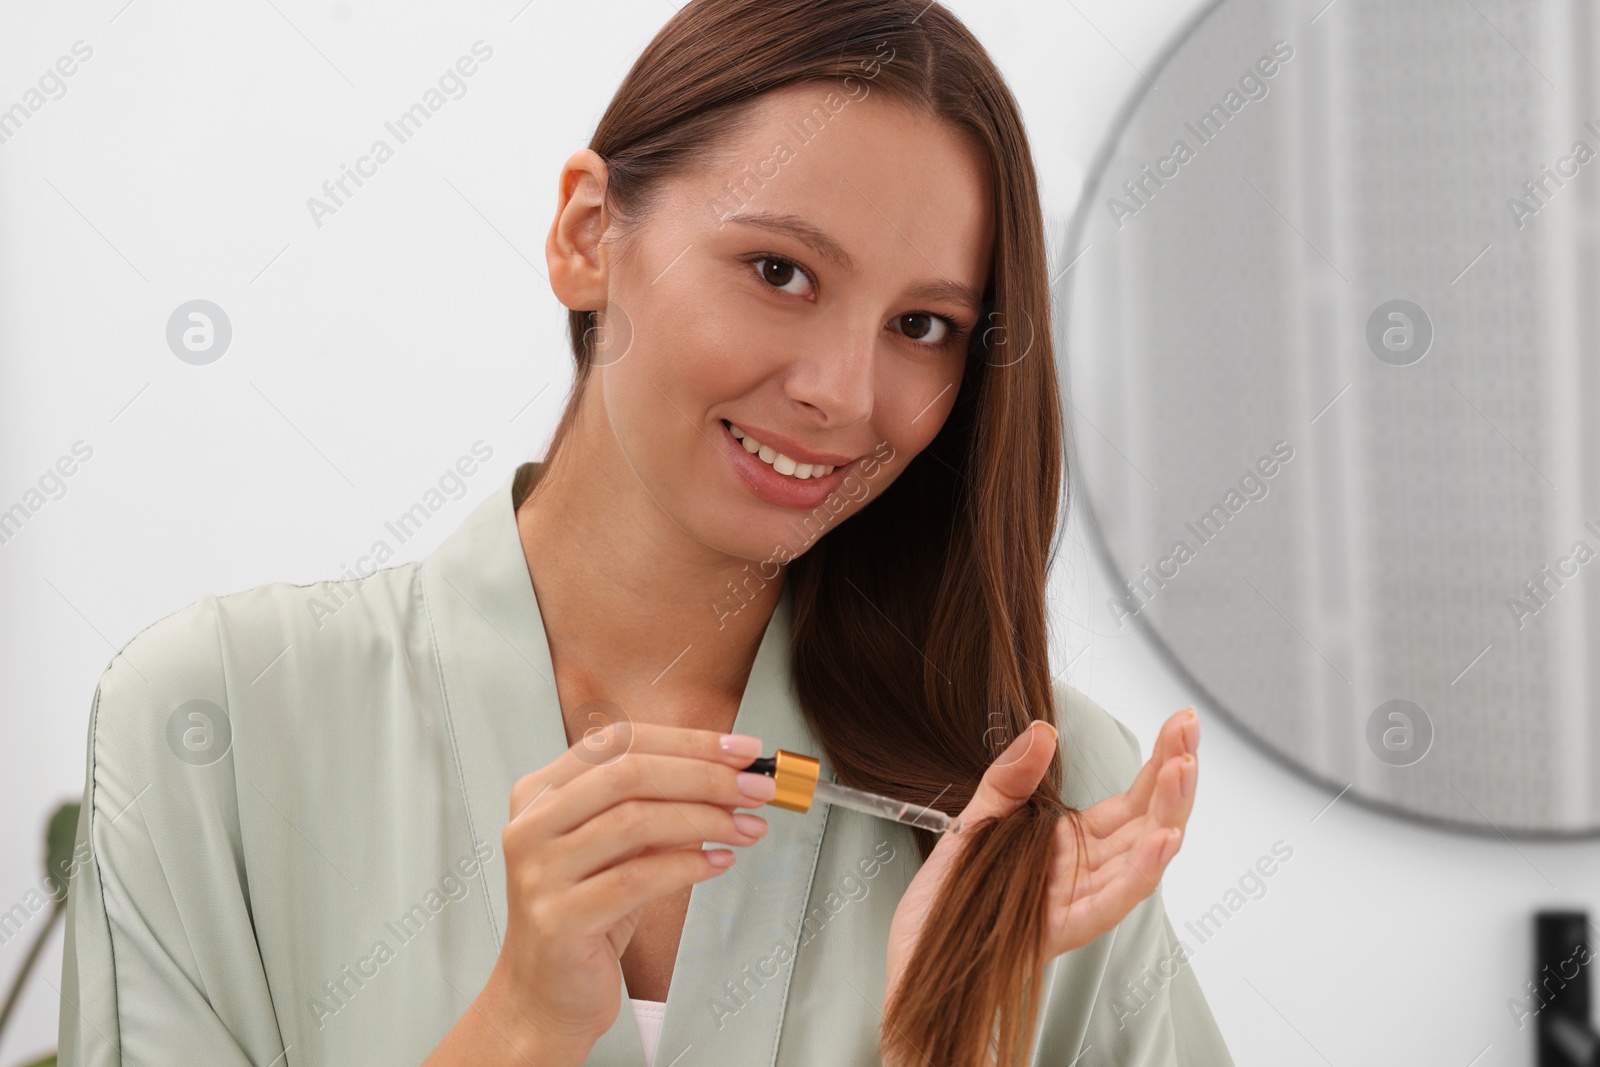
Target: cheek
x,y
642,404
706,343
912,408
658,402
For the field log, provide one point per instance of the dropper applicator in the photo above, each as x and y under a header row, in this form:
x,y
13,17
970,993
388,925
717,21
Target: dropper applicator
x,y
797,779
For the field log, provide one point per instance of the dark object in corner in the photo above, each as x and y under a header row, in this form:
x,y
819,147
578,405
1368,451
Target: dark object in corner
x,y
1566,1036
60,834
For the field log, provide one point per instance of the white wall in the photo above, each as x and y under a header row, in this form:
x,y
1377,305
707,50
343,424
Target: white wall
x,y
371,351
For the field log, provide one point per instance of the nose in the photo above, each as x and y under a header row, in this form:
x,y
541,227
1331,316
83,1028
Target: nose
x,y
833,379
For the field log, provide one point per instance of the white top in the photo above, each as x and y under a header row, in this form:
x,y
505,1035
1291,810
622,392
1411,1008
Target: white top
x,y
648,1014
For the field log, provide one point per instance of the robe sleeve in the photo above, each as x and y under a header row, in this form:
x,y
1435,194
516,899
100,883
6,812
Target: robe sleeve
x,y
160,962
1146,1008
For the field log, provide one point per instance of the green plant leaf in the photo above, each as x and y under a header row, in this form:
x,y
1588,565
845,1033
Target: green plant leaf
x,y
59,838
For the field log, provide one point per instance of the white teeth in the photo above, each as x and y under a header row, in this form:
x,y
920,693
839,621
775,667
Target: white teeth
x,y
777,460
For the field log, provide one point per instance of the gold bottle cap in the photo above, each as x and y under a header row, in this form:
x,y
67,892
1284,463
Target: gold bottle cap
x,y
796,778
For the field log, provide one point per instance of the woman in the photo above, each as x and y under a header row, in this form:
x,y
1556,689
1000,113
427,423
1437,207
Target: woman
x,y
802,497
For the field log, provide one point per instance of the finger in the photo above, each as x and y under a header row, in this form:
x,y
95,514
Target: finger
x,y
1169,805
1110,816
1103,860
1170,742
1173,740
618,740
634,777
1075,871
1091,914
637,827
595,903
1015,773
1117,810
1170,809
602,746
1174,795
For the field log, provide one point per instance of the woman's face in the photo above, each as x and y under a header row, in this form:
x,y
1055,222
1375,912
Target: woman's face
x,y
815,295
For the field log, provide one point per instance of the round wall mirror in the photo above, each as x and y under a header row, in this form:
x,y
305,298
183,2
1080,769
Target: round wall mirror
x,y
1331,335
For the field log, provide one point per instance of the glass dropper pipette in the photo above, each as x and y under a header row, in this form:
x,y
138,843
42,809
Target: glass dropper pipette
x,y
796,776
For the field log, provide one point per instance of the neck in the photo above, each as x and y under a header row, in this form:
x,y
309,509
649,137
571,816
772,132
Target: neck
x,y
635,611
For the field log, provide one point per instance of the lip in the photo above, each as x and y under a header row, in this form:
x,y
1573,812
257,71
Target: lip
x,y
780,489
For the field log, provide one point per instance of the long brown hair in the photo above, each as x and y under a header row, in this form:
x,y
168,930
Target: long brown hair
x,y
920,642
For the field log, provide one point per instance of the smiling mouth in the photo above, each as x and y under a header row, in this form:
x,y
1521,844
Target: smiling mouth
x,y
777,460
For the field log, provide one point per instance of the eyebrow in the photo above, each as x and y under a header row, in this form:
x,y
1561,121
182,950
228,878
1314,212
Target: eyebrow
x,y
826,247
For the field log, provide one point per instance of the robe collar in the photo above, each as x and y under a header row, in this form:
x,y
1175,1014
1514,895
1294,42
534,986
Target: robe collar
x,y
730,980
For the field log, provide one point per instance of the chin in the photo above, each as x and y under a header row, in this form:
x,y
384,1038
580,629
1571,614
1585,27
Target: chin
x,y
760,538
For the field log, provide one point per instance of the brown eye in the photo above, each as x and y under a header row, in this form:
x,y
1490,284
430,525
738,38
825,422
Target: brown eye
x,y
780,273
918,327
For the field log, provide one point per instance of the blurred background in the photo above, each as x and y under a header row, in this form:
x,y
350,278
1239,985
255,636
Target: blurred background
x,y
1329,282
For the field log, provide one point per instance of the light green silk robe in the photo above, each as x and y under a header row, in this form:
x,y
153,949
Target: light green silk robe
x,y
290,848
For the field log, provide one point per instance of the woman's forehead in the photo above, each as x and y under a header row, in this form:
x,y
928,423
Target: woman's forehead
x,y
876,174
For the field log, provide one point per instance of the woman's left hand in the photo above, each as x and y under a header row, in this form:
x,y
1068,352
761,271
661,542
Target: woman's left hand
x,y
1130,838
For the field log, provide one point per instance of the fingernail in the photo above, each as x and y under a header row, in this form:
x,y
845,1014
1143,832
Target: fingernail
x,y
1172,843
757,787
1023,741
750,825
1188,775
740,744
718,857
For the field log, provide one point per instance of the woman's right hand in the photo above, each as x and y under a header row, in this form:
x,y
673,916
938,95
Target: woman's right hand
x,y
616,821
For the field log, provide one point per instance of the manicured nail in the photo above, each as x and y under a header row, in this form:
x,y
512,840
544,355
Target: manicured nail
x,y
740,745
749,825
719,857
1054,733
757,787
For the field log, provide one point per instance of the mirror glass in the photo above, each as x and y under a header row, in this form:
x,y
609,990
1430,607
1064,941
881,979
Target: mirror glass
x,y
1331,308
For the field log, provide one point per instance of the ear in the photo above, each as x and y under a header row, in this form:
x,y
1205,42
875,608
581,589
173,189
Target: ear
x,y
579,271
